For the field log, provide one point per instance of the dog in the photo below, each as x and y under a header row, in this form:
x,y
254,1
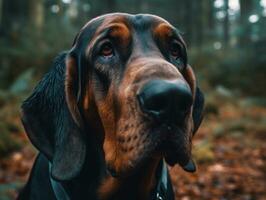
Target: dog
x,y
113,112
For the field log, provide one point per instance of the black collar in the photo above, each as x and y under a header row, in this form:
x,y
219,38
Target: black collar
x,y
160,192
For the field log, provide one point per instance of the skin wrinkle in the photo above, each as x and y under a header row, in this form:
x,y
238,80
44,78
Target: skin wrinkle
x,y
70,82
128,143
87,115
114,30
165,32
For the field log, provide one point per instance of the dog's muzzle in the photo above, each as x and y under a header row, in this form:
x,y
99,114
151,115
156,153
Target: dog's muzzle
x,y
167,102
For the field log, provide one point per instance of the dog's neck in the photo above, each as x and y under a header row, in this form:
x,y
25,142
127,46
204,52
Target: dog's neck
x,y
95,183
136,186
149,182
86,184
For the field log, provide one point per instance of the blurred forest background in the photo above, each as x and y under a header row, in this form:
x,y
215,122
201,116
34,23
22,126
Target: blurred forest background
x,y
226,47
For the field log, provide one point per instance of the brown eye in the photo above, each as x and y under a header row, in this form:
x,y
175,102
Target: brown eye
x,y
107,50
175,49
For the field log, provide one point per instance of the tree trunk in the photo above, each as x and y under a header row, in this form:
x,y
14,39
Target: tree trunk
x,y
226,23
210,11
139,5
245,10
188,21
208,20
110,6
199,22
14,18
180,17
36,14
1,13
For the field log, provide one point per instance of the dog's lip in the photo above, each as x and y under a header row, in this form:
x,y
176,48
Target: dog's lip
x,y
173,152
190,166
162,147
187,164
131,170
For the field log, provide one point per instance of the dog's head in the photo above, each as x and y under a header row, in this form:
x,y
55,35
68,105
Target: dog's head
x,y
128,91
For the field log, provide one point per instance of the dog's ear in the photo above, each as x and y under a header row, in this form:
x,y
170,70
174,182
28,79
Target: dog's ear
x,y
198,106
47,116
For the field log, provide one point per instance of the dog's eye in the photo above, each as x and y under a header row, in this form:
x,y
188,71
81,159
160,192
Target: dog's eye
x,y
174,49
107,50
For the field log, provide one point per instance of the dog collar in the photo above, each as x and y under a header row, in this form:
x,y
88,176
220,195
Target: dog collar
x,y
160,193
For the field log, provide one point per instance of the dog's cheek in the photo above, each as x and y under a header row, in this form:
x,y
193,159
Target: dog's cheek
x,y
190,126
190,129
188,134
109,151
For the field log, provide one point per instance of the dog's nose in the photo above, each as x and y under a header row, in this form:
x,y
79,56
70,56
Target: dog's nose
x,y
164,99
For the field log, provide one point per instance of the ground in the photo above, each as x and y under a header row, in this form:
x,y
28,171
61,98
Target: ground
x,y
229,148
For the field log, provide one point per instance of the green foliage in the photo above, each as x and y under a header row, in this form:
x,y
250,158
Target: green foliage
x,y
203,152
33,49
8,143
236,68
7,190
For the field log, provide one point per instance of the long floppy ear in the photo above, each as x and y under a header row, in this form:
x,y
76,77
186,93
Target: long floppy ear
x,y
49,122
197,113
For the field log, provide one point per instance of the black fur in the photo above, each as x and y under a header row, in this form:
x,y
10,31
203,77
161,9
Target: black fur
x,y
197,113
45,115
76,159
52,130
36,189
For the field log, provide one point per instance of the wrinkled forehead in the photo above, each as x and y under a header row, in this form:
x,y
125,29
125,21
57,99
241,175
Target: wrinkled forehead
x,y
133,22
123,24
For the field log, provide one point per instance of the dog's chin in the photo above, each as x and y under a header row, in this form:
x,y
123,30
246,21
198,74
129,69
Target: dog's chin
x,y
177,158
170,144
134,166
175,147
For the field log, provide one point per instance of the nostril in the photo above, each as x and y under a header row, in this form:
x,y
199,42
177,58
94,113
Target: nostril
x,y
154,104
162,98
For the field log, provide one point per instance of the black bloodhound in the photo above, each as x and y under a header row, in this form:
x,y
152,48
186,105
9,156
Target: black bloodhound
x,y
112,112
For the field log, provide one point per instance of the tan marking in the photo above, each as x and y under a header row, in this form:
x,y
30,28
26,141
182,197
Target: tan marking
x,y
86,101
141,183
108,188
191,79
70,83
141,70
119,29
163,30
